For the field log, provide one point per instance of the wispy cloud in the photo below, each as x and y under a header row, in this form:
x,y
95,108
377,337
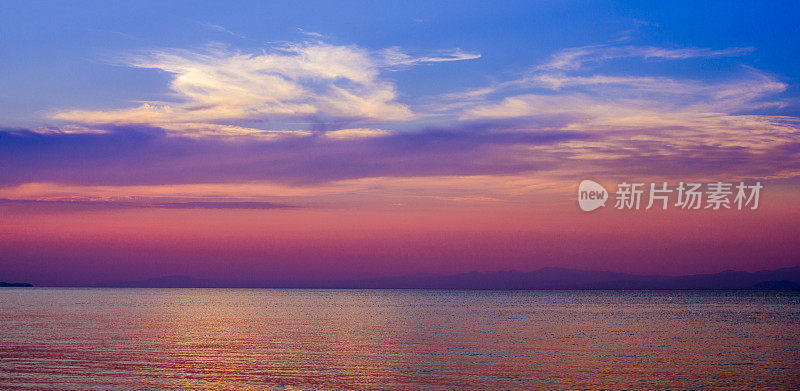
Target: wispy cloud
x,y
218,88
295,80
576,58
396,57
561,120
222,29
567,68
467,148
311,34
650,119
342,134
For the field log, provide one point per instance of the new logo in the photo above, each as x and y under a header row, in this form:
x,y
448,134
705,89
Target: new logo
x,y
591,195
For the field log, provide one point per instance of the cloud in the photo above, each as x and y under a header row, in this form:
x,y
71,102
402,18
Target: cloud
x,y
218,89
146,155
267,195
395,57
222,30
652,120
554,124
615,99
694,112
576,58
296,80
356,133
68,129
311,33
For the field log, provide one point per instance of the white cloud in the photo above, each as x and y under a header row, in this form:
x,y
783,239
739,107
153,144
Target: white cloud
x,y
217,85
343,134
395,57
68,129
223,30
635,115
616,98
625,114
575,58
311,33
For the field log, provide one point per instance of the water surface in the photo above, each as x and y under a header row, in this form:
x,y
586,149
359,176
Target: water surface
x,y
220,339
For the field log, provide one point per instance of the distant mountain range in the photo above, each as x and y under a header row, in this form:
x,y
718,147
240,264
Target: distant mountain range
x,y
547,278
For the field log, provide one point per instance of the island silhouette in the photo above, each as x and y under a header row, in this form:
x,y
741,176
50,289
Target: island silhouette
x,y
15,284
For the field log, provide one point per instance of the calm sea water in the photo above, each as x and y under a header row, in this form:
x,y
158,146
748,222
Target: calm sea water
x,y
222,339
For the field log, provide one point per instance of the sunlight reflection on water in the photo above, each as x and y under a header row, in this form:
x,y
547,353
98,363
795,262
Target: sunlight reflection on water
x,y
213,339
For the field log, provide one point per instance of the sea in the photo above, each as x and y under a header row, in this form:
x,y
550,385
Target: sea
x,y
305,339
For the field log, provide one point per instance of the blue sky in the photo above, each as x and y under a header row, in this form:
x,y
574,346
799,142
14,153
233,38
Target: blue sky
x,y
58,55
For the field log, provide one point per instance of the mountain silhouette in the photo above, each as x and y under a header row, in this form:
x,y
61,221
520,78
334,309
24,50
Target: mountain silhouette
x,y
546,278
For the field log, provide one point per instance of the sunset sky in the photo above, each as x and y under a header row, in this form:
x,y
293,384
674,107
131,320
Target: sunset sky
x,y
296,141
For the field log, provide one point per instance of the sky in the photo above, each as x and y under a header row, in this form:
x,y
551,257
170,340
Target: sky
x,y
317,140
